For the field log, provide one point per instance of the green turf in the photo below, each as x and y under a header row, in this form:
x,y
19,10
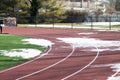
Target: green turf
x,y
8,42
6,62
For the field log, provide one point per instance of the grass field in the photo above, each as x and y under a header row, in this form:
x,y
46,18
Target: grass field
x,y
9,42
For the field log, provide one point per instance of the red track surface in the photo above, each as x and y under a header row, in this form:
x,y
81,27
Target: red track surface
x,y
59,51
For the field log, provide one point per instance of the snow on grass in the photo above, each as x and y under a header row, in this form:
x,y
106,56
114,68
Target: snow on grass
x,y
89,42
27,53
41,42
24,53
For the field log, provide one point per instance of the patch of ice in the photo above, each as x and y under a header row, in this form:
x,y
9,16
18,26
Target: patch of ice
x,y
41,42
24,53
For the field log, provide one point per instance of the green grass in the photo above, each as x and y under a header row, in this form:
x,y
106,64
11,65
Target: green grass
x,y
8,42
6,62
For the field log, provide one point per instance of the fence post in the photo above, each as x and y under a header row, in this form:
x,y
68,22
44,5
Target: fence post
x,y
91,23
53,22
72,22
110,26
35,21
0,28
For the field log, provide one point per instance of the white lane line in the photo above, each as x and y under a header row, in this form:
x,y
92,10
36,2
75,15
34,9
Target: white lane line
x,y
50,47
73,49
83,67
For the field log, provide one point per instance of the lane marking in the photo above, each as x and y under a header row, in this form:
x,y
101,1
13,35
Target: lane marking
x,y
73,49
50,48
83,67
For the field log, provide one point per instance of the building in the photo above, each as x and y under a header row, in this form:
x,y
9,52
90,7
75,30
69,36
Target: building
x,y
90,5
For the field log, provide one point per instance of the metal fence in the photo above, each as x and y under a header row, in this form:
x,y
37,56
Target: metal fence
x,y
87,21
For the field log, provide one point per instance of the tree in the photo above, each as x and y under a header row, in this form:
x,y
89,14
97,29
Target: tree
x,y
117,5
53,9
34,6
29,8
8,6
22,8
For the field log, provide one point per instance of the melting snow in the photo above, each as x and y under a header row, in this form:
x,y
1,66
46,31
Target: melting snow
x,y
89,42
115,67
86,33
114,78
107,49
27,53
24,53
41,42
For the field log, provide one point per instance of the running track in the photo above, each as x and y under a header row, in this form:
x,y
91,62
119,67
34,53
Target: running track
x,y
62,61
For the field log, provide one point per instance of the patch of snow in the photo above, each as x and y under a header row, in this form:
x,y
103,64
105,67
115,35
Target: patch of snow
x,y
107,49
115,67
40,42
86,33
116,49
24,53
27,53
100,50
89,42
102,45
114,78
110,30
102,65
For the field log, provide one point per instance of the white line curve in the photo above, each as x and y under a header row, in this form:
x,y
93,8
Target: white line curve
x,y
83,67
73,49
50,47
